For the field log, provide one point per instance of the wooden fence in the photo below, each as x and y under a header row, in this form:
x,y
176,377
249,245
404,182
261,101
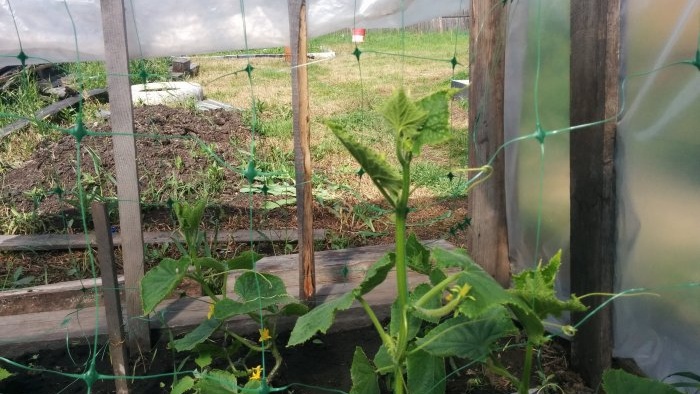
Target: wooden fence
x,y
443,24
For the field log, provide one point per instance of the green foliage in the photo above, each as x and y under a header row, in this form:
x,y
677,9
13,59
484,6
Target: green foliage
x,y
253,293
161,280
257,292
188,218
616,381
435,128
217,382
364,379
693,380
319,319
21,96
197,336
460,311
4,374
425,372
183,385
464,337
386,178
536,289
92,75
376,274
415,124
16,279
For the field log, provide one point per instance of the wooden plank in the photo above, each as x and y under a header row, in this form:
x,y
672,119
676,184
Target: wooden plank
x,y
59,296
77,293
112,300
595,78
18,243
50,110
31,331
122,122
336,266
488,238
302,150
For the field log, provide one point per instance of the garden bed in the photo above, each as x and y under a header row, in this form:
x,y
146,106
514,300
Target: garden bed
x,y
313,368
180,167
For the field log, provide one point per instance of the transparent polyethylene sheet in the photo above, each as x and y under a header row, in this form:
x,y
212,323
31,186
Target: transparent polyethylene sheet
x,y
523,159
658,169
659,190
183,27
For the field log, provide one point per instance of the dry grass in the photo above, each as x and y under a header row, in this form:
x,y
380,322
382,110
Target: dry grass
x,y
345,91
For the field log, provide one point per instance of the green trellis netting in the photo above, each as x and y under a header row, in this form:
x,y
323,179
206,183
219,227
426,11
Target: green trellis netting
x,y
659,155
658,166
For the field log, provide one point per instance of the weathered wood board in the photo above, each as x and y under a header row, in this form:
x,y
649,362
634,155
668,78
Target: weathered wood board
x,y
337,272
51,110
79,241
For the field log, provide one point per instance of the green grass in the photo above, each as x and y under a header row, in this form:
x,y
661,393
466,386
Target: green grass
x,y
92,75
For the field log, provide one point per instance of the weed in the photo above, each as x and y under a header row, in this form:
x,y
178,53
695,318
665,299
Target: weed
x,y
16,279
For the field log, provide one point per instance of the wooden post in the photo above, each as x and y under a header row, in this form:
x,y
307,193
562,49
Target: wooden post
x,y
122,121
110,289
488,238
302,151
595,81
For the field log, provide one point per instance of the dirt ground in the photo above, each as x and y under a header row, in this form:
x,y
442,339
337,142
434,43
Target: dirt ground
x,y
167,153
317,367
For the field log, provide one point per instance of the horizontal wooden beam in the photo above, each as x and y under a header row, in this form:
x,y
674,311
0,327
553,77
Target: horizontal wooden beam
x,y
17,243
339,271
51,110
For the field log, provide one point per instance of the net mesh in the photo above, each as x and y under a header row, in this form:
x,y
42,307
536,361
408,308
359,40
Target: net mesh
x,y
246,156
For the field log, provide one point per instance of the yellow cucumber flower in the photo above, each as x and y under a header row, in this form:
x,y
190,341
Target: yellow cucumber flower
x,y
211,311
264,334
256,373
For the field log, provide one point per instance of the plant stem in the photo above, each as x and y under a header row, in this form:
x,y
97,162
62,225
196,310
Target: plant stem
x,y
386,339
205,288
437,289
498,369
278,362
402,277
244,341
527,367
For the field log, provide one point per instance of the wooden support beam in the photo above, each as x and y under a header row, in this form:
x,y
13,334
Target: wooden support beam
x,y
595,81
110,289
36,242
488,238
122,122
302,150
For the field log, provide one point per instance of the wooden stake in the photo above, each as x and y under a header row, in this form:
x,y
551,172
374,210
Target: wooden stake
x,y
110,289
122,121
595,81
302,151
488,238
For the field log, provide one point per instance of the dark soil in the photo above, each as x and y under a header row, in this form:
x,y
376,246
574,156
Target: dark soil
x,y
175,145
317,367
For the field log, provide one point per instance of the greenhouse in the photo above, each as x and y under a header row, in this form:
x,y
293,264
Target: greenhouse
x,y
366,196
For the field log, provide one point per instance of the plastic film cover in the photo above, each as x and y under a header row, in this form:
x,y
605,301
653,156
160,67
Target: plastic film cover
x,y
51,30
